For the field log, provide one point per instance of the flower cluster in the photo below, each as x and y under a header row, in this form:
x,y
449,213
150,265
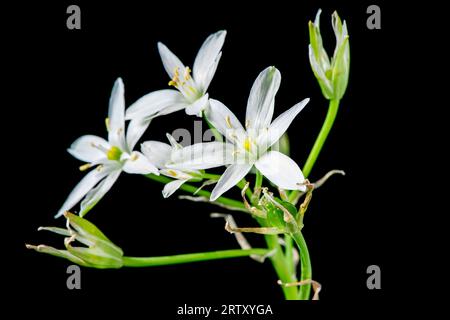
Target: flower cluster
x,y
257,146
244,147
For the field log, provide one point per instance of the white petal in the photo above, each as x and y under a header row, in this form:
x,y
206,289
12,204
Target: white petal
x,y
280,125
116,116
155,103
207,59
171,187
281,170
224,121
139,164
88,148
202,156
170,61
95,195
135,130
231,177
176,174
173,142
157,152
198,106
260,103
81,189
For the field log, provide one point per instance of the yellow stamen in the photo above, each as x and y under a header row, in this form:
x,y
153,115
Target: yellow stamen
x,y
176,78
187,74
84,167
107,124
228,122
172,173
134,157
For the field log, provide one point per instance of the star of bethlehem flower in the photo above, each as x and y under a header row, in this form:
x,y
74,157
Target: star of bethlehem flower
x,y
331,75
249,146
191,90
164,156
160,154
109,158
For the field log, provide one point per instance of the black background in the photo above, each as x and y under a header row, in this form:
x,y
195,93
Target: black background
x,y
61,82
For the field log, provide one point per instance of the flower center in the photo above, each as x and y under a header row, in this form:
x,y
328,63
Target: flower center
x,y
247,144
114,153
184,84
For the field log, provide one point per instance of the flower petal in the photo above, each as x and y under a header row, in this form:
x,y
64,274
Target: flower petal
x,y
88,148
170,61
202,156
280,125
139,164
135,130
116,116
96,194
198,106
207,59
82,188
281,170
155,103
173,142
157,152
224,121
171,187
260,103
231,176
176,174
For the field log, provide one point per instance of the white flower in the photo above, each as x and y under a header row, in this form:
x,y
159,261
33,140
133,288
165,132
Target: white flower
x,y
250,145
110,157
164,157
191,93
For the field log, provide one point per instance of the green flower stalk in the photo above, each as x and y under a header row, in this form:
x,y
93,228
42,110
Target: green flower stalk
x,y
99,252
331,75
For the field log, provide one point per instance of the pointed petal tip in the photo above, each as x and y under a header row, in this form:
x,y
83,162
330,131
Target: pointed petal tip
x,y
30,246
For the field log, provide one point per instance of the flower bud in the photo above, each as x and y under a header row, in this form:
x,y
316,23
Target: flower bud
x,y
331,75
99,251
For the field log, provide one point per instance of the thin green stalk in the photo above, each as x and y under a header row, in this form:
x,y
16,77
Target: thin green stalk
x,y
215,132
210,176
305,265
202,193
190,257
320,140
258,180
289,252
279,264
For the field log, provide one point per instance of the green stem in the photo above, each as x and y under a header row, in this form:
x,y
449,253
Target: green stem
x,y
289,253
202,193
210,176
305,264
322,137
258,180
320,140
190,257
279,264
215,132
